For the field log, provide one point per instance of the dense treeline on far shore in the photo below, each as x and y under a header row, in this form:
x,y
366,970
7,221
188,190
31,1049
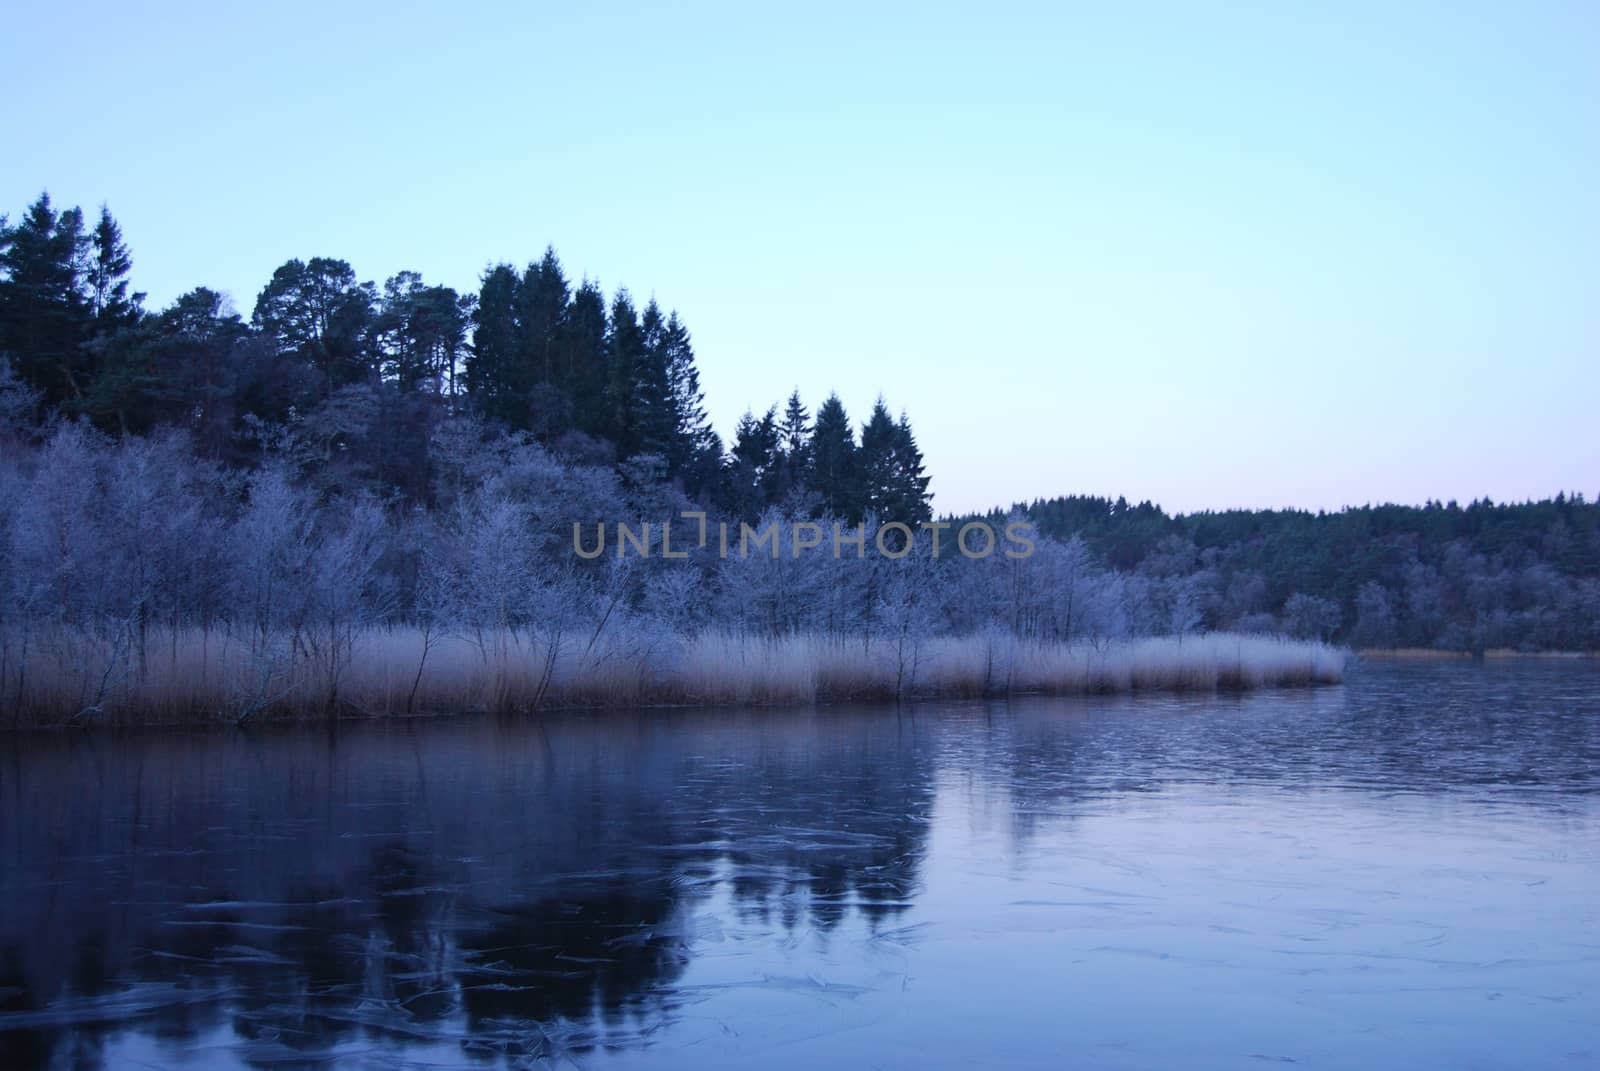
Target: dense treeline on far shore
x,y
1478,577
260,506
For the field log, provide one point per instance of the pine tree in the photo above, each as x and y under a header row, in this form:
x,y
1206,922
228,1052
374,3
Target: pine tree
x,y
316,312
794,432
541,307
495,379
654,417
421,334
893,483
692,450
755,464
833,456
121,377
583,359
624,353
879,493
542,299
195,355
44,317
109,265
186,366
911,482
704,476
688,400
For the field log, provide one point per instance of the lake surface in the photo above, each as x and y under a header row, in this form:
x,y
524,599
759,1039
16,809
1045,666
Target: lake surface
x,y
1402,871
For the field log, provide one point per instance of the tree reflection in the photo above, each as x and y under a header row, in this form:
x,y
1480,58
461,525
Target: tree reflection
x,y
510,888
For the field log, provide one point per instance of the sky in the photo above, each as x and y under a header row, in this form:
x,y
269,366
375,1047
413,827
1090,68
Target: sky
x,y
1213,256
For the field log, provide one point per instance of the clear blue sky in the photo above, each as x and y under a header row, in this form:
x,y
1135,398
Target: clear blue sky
x,y
1209,254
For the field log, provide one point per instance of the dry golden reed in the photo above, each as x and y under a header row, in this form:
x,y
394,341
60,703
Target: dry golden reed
x,y
194,676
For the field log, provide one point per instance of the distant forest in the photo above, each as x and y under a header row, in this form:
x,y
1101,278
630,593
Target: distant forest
x,y
408,426
1468,578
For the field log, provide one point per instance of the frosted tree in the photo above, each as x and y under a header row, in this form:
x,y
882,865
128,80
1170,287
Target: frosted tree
x,y
908,614
485,579
271,550
562,608
1311,616
1375,617
13,623
269,554
343,589
1184,616
675,597
161,552
768,587
58,533
18,404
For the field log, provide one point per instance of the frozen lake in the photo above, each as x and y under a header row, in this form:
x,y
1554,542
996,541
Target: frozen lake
x,y
1399,872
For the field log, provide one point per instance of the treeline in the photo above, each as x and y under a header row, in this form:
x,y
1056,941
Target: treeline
x,y
140,582
1468,578
359,377
355,457
363,500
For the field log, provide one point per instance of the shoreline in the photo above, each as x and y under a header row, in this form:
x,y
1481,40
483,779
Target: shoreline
x,y
1493,654
196,678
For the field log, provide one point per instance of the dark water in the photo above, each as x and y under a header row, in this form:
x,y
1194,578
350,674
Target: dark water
x,y
1400,872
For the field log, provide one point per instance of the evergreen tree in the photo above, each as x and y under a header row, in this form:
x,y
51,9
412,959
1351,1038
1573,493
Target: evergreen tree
x,y
624,355
879,490
654,417
794,434
199,353
582,358
893,484
195,365
109,265
542,299
541,308
44,317
833,462
911,482
695,451
122,376
318,313
755,464
421,333
124,393
704,475
495,375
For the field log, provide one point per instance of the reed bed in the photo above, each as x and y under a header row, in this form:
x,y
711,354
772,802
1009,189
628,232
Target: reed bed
x,y
193,676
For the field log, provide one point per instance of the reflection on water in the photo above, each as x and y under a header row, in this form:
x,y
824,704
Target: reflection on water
x,y
1397,872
